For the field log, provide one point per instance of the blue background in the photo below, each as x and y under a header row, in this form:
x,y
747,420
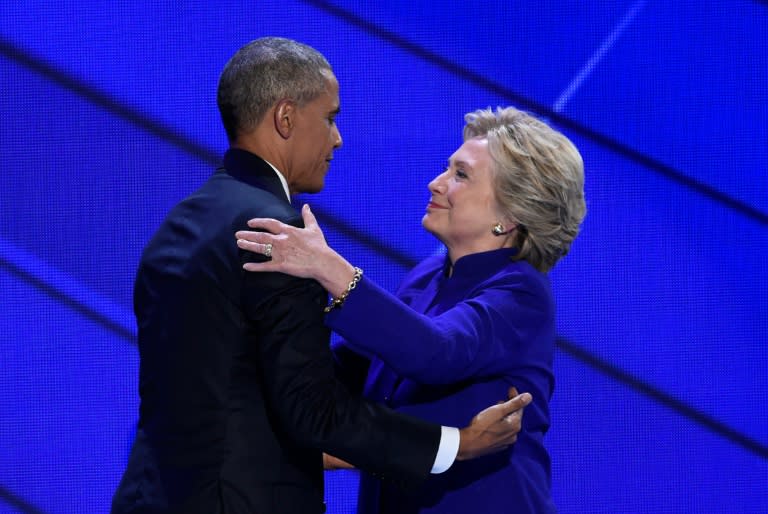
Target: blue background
x,y
108,118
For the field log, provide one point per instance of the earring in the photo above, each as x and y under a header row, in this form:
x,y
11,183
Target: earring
x,y
498,229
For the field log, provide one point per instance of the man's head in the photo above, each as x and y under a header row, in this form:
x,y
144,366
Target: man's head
x,y
263,72
278,98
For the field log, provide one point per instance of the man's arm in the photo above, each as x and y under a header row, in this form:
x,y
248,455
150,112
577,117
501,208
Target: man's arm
x,y
487,433
317,411
494,428
311,406
351,367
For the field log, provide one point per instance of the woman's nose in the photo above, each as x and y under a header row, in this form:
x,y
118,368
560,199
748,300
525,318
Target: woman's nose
x,y
437,185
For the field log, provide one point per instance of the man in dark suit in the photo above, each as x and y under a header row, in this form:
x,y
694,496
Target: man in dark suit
x,y
238,396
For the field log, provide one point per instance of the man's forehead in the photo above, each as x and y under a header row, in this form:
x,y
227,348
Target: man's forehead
x,y
330,79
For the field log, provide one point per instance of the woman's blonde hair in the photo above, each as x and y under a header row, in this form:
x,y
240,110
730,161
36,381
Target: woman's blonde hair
x,y
539,179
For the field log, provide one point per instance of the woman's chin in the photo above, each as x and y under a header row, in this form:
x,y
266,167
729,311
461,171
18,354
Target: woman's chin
x,y
427,224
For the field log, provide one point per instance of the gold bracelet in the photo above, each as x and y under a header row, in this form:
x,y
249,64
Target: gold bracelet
x,y
338,302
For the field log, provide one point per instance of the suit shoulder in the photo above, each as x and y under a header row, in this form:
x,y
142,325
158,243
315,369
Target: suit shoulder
x,y
524,282
521,272
233,194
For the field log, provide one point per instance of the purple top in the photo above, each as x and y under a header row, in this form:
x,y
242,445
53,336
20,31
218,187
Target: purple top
x,y
449,347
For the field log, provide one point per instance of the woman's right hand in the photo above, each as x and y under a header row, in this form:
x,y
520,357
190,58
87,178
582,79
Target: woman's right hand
x,y
300,252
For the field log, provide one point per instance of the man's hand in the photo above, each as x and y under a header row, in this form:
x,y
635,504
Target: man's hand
x,y
330,463
494,428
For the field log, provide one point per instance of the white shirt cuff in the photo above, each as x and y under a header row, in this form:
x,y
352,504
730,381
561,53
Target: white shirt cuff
x,y
447,451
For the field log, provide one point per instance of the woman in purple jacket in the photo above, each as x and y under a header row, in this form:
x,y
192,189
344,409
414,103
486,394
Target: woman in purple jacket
x,y
463,327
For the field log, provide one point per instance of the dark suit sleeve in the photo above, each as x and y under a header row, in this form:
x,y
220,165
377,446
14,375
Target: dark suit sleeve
x,y
312,406
351,367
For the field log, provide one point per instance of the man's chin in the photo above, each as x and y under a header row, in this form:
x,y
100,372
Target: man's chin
x,y
316,188
310,189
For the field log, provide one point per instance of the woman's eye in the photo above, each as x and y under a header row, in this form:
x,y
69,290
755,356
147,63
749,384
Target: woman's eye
x,y
460,173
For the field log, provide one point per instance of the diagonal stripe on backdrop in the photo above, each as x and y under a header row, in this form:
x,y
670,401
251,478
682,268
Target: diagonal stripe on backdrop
x,y
18,503
682,408
191,147
519,100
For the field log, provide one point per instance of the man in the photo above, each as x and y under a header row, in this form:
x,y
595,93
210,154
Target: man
x,y
238,397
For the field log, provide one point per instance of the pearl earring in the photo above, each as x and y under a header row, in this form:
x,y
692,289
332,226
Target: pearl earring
x,y
498,229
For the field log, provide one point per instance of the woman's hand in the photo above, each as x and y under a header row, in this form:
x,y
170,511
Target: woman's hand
x,y
300,252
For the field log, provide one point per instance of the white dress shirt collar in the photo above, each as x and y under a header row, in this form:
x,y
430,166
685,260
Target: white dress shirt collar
x,y
282,180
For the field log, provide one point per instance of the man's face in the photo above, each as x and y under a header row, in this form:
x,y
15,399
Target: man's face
x,y
315,138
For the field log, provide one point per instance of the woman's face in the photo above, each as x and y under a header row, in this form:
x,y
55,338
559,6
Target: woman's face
x,y
463,209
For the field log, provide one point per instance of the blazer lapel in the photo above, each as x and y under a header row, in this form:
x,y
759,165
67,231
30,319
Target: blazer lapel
x,y
252,169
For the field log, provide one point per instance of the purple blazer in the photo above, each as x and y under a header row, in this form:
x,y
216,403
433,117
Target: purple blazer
x,y
449,347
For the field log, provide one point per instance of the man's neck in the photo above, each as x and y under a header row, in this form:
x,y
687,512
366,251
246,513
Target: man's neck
x,y
282,179
253,144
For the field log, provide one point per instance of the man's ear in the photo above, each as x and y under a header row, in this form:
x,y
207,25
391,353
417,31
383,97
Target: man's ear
x,y
284,117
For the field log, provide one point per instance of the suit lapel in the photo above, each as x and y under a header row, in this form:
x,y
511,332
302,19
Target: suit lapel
x,y
252,169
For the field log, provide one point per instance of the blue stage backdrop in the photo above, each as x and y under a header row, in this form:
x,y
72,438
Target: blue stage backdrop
x,y
108,118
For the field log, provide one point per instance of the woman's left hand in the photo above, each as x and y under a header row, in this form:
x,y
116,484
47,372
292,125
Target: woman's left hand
x,y
294,251
300,252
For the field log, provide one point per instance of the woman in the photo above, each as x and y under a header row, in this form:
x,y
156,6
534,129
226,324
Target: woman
x,y
465,326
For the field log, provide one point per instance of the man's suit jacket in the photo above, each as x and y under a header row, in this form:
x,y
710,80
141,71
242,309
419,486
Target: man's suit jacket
x,y
238,396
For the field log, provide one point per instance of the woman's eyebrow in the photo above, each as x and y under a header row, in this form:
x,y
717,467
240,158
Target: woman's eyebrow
x,y
463,164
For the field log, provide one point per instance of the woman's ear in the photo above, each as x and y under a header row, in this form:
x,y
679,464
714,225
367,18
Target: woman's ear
x,y
284,114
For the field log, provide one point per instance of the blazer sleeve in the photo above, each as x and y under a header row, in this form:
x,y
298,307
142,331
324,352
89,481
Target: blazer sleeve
x,y
351,367
312,406
501,323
